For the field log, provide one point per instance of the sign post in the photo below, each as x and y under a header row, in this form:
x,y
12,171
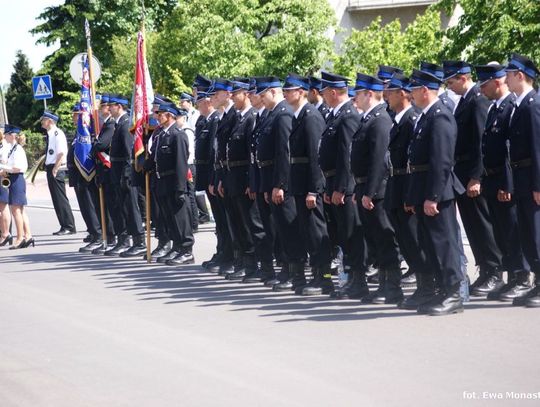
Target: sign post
x,y
42,87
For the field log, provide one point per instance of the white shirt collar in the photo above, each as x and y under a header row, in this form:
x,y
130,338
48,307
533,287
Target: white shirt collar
x,y
300,109
430,106
500,100
260,111
520,98
165,130
336,109
243,112
226,110
372,107
400,115
119,117
468,90
319,103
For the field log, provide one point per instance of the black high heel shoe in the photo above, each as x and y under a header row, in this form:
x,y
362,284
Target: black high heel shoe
x,y
8,239
19,246
29,242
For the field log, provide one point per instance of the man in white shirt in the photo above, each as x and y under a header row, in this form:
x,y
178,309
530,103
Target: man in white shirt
x,y
55,165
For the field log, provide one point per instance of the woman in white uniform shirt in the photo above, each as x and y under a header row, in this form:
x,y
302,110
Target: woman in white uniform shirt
x,y
16,166
5,217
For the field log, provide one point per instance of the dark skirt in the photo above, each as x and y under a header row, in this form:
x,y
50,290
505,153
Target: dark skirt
x,y
4,194
17,190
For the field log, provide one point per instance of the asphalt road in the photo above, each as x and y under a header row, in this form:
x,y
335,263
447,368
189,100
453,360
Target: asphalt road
x,y
80,330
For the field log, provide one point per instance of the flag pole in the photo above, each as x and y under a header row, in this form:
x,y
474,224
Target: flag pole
x,y
95,117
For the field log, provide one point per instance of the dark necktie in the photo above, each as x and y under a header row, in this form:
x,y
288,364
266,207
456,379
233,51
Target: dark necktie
x,y
492,114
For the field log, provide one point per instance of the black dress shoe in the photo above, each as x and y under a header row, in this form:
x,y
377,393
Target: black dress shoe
x,y
533,299
88,239
225,269
159,251
490,284
181,259
90,247
134,251
357,290
169,256
320,284
450,304
253,275
239,274
63,232
516,290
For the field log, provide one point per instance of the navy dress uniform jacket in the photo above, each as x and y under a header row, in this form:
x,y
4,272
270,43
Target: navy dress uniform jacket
x,y
273,148
171,158
431,158
254,173
525,145
225,126
102,144
306,176
369,163
205,135
470,115
334,150
239,154
122,153
495,149
401,136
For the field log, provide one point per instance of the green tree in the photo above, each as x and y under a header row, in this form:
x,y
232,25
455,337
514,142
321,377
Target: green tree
x,y
387,44
109,19
490,30
240,37
20,105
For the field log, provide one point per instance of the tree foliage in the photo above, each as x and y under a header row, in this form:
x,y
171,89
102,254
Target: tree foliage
x,y
20,104
241,37
388,44
490,30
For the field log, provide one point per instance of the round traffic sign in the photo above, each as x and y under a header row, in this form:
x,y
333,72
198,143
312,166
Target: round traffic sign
x,y
76,68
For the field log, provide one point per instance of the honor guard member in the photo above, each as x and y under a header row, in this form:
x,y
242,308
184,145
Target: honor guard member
x,y
307,183
405,224
186,102
171,157
525,162
268,275
470,115
220,97
86,192
246,228
123,202
315,98
369,165
100,151
437,70
431,192
157,206
55,165
497,183
205,134
181,122
273,159
385,73
334,161
201,84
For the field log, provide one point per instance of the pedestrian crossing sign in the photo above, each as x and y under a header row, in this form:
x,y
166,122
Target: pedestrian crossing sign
x,y
42,87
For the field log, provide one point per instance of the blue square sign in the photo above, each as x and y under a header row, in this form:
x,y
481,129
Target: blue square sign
x,y
42,87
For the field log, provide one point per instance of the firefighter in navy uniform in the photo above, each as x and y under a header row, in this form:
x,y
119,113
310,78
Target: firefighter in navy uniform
x,y
124,198
273,159
470,115
171,169
307,183
405,224
268,275
431,194
315,98
525,163
220,96
370,169
437,70
246,226
101,147
159,221
334,161
497,181
205,134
